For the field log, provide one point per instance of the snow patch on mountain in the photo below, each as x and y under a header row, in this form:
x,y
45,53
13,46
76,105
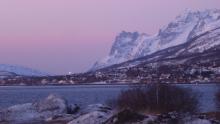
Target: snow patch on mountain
x,y
184,28
206,42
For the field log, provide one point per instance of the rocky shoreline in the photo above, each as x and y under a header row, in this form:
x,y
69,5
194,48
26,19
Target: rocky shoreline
x,y
56,110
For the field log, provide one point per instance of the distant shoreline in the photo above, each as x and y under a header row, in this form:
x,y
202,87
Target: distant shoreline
x,y
112,84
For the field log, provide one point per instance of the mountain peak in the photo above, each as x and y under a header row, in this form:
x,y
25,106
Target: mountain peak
x,y
128,45
208,13
125,39
123,48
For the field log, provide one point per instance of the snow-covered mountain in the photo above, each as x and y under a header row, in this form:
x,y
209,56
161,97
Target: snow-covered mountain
x,y
11,70
184,28
202,48
197,60
5,74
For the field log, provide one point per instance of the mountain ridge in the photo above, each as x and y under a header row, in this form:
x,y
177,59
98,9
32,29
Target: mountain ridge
x,y
20,71
189,62
188,25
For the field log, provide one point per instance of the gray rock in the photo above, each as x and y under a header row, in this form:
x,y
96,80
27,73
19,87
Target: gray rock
x,y
126,117
93,114
73,109
52,105
31,112
198,121
95,107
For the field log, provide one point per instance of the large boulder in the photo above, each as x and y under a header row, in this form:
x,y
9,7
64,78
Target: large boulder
x,y
93,114
126,117
51,106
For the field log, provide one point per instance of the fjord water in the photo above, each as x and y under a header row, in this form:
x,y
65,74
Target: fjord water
x,y
90,94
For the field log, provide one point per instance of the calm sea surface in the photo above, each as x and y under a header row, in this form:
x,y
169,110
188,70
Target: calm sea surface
x,y
89,94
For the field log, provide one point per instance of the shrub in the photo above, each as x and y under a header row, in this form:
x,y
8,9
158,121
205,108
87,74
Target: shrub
x,y
134,99
158,98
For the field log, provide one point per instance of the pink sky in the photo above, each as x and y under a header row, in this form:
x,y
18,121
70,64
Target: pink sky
x,y
58,36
